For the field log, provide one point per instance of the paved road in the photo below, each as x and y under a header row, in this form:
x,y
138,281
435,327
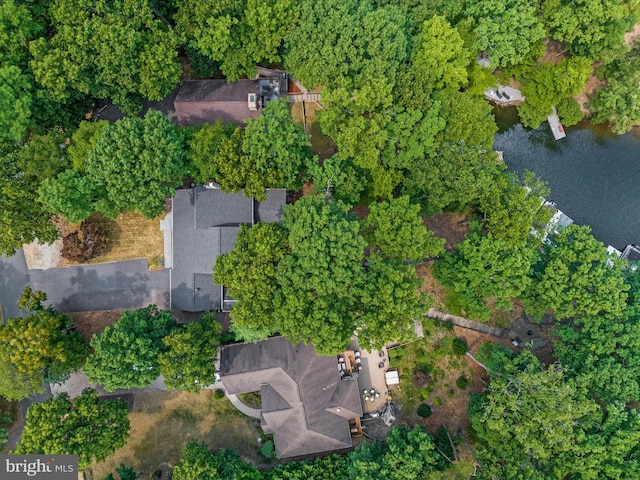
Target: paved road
x,y
105,286
14,276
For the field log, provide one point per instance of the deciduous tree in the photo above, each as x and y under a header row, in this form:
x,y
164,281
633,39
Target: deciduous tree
x,y
395,229
125,355
15,102
115,50
138,162
576,277
322,276
200,463
88,427
189,360
506,29
249,272
43,345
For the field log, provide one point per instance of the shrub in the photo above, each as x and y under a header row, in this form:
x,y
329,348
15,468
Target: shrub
x,y
462,382
437,402
267,449
459,347
88,242
218,394
424,410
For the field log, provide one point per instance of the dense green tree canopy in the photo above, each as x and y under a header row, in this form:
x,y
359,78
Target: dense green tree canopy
x,y
89,427
322,276
70,195
346,43
532,421
200,463
22,219
245,32
576,277
483,268
115,50
125,355
83,140
338,178
138,162
189,360
593,28
390,303
203,147
619,103
277,149
506,29
15,103
249,271
545,85
396,231
42,345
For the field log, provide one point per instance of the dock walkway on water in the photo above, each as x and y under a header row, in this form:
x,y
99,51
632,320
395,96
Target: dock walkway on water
x,y
556,127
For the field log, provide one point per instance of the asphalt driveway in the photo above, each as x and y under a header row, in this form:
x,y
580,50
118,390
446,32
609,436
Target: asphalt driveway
x,y
106,286
14,276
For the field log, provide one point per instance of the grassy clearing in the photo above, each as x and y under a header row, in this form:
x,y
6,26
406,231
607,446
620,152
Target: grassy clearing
x,y
163,422
133,236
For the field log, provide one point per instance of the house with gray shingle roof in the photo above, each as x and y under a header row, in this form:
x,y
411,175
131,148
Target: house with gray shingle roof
x,y
305,404
205,224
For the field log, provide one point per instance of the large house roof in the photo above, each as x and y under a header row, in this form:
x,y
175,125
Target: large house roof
x,y
304,403
200,101
206,222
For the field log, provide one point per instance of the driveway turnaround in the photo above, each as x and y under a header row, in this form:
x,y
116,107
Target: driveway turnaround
x,y
104,286
14,276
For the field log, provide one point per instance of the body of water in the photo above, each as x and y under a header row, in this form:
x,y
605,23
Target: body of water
x,y
594,176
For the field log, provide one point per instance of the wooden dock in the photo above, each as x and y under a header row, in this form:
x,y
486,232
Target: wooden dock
x,y
556,127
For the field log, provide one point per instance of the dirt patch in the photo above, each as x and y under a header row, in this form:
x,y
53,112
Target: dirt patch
x,y
43,255
632,37
555,51
93,323
431,286
450,226
163,422
593,83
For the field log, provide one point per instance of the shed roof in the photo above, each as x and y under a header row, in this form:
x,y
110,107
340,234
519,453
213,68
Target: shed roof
x,y
304,403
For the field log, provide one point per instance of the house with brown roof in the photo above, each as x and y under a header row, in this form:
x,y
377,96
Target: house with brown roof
x,y
305,404
200,101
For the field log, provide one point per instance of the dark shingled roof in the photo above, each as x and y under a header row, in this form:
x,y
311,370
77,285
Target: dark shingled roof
x,y
205,224
271,209
200,101
304,403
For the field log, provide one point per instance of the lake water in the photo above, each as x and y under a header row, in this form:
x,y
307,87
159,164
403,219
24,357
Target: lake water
x,y
594,176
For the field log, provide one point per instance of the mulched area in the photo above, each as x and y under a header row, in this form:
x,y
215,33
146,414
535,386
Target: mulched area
x,y
90,323
450,226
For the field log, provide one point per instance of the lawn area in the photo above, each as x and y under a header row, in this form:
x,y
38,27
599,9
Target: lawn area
x,y
133,236
163,422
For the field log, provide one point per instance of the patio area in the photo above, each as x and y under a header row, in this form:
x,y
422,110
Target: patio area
x,y
371,377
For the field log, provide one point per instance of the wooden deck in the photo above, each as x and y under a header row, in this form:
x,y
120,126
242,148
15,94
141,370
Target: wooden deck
x,y
304,97
556,127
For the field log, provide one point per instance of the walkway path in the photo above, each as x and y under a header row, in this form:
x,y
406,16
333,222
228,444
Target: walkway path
x,y
466,323
304,97
248,411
